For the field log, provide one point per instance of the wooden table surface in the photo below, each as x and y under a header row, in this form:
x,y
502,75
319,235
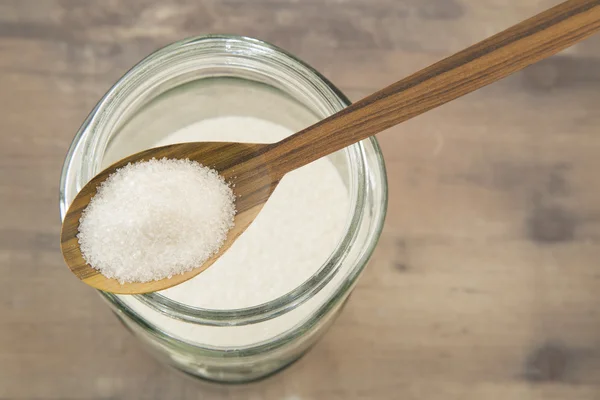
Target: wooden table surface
x,y
486,282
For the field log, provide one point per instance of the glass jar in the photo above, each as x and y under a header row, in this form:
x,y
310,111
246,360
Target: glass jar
x,y
162,94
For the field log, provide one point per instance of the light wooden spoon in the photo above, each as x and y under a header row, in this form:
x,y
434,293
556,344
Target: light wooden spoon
x,y
256,169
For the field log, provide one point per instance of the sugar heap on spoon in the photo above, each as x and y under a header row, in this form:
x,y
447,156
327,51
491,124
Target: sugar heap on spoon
x,y
154,219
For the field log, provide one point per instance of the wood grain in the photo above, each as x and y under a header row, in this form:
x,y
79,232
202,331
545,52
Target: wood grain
x,y
470,69
485,283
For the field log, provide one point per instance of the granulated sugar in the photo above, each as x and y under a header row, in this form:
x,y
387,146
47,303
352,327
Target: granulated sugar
x,y
292,237
155,219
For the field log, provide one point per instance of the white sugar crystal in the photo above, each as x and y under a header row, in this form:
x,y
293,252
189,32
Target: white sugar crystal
x,y
155,219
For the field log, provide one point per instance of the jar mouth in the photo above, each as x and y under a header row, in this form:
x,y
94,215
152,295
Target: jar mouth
x,y
88,142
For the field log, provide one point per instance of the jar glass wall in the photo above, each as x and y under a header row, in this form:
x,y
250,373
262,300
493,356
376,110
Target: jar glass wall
x,y
218,76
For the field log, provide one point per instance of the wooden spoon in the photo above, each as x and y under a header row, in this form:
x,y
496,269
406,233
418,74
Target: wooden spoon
x,y
256,169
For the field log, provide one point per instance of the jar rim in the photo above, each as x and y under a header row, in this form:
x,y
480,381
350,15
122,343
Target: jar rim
x,y
281,304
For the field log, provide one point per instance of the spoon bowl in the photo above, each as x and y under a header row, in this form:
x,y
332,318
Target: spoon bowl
x,y
254,170
252,184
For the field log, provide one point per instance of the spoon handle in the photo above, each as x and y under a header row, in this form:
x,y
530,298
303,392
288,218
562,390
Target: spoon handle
x,y
479,65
